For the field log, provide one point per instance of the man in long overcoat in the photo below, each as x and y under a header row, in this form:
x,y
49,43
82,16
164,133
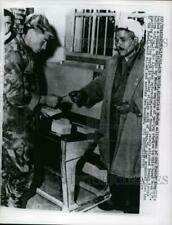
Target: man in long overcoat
x,y
121,89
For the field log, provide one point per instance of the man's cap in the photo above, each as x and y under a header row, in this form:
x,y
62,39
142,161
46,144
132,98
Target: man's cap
x,y
39,21
131,25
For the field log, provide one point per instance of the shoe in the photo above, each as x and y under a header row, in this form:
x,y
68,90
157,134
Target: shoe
x,y
110,205
132,203
131,210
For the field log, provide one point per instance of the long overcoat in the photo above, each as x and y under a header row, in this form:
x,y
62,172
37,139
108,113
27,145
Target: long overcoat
x,y
126,160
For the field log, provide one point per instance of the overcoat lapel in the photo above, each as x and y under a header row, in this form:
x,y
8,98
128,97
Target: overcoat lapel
x,y
134,78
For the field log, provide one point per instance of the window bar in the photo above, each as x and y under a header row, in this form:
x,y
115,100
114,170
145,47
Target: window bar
x,y
105,37
89,32
74,34
83,31
92,35
97,33
113,44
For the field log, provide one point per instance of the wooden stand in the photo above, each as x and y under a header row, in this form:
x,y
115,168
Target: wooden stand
x,y
73,150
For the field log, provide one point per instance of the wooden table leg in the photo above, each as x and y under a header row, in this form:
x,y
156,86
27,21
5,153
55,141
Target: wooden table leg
x,y
64,177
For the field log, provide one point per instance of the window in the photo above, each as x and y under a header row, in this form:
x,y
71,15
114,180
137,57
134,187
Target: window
x,y
93,32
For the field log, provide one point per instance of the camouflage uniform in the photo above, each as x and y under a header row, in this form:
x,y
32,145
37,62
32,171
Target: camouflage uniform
x,y
17,122
21,101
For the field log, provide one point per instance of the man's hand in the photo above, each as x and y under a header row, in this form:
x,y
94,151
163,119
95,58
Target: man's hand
x,y
123,108
50,100
78,97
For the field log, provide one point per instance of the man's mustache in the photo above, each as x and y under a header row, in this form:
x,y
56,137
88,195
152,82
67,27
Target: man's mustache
x,y
119,49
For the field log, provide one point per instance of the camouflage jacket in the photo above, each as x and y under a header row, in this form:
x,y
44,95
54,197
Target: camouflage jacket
x,y
20,92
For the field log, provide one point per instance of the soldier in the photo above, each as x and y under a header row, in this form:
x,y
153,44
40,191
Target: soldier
x,y
21,99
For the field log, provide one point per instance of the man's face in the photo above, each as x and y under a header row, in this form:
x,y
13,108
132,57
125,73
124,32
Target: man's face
x,y
37,40
8,24
125,43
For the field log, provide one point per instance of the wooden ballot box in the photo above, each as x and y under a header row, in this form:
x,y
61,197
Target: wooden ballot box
x,y
74,177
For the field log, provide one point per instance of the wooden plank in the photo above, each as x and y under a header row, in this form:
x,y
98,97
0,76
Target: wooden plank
x,y
76,149
85,57
49,197
95,13
64,177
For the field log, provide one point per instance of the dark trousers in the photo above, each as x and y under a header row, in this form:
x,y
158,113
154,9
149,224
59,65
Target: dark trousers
x,y
125,192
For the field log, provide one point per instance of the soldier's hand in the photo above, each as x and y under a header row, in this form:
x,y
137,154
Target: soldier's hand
x,y
50,100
